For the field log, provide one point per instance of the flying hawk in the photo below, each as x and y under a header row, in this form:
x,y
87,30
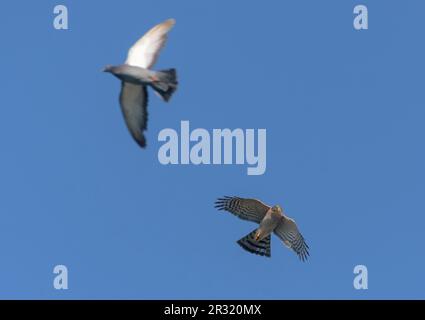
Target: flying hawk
x,y
136,75
271,219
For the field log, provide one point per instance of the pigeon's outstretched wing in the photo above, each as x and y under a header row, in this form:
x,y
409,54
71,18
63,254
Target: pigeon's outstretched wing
x,y
287,231
134,101
246,209
145,51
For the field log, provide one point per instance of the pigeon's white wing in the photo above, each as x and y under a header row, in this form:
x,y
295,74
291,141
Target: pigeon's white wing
x,y
288,232
246,209
134,102
145,51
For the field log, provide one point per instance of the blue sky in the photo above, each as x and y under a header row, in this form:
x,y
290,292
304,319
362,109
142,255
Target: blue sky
x,y
344,113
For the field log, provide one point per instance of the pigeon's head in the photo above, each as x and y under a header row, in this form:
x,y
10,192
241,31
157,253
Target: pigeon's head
x,y
108,68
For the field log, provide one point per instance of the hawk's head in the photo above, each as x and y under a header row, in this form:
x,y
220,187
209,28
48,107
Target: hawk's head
x,y
277,209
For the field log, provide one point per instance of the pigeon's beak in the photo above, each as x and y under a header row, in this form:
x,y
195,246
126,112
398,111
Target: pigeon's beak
x,y
107,68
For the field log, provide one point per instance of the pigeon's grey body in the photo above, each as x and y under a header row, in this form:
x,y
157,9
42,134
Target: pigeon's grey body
x,y
136,76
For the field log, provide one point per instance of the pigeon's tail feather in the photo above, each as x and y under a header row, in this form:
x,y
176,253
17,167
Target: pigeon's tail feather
x,y
166,84
261,247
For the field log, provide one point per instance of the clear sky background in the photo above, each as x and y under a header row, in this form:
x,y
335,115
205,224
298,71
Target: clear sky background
x,y
344,112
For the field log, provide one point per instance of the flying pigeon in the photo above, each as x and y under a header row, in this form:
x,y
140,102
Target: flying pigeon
x,y
136,75
271,219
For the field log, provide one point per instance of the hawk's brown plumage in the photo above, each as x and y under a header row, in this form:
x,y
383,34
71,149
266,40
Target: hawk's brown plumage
x,y
271,219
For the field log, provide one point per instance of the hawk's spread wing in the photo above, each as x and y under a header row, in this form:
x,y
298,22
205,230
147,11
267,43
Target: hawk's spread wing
x,y
287,230
246,209
145,51
134,101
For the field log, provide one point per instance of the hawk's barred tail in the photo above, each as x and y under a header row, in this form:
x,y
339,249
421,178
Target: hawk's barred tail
x,y
261,247
166,84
